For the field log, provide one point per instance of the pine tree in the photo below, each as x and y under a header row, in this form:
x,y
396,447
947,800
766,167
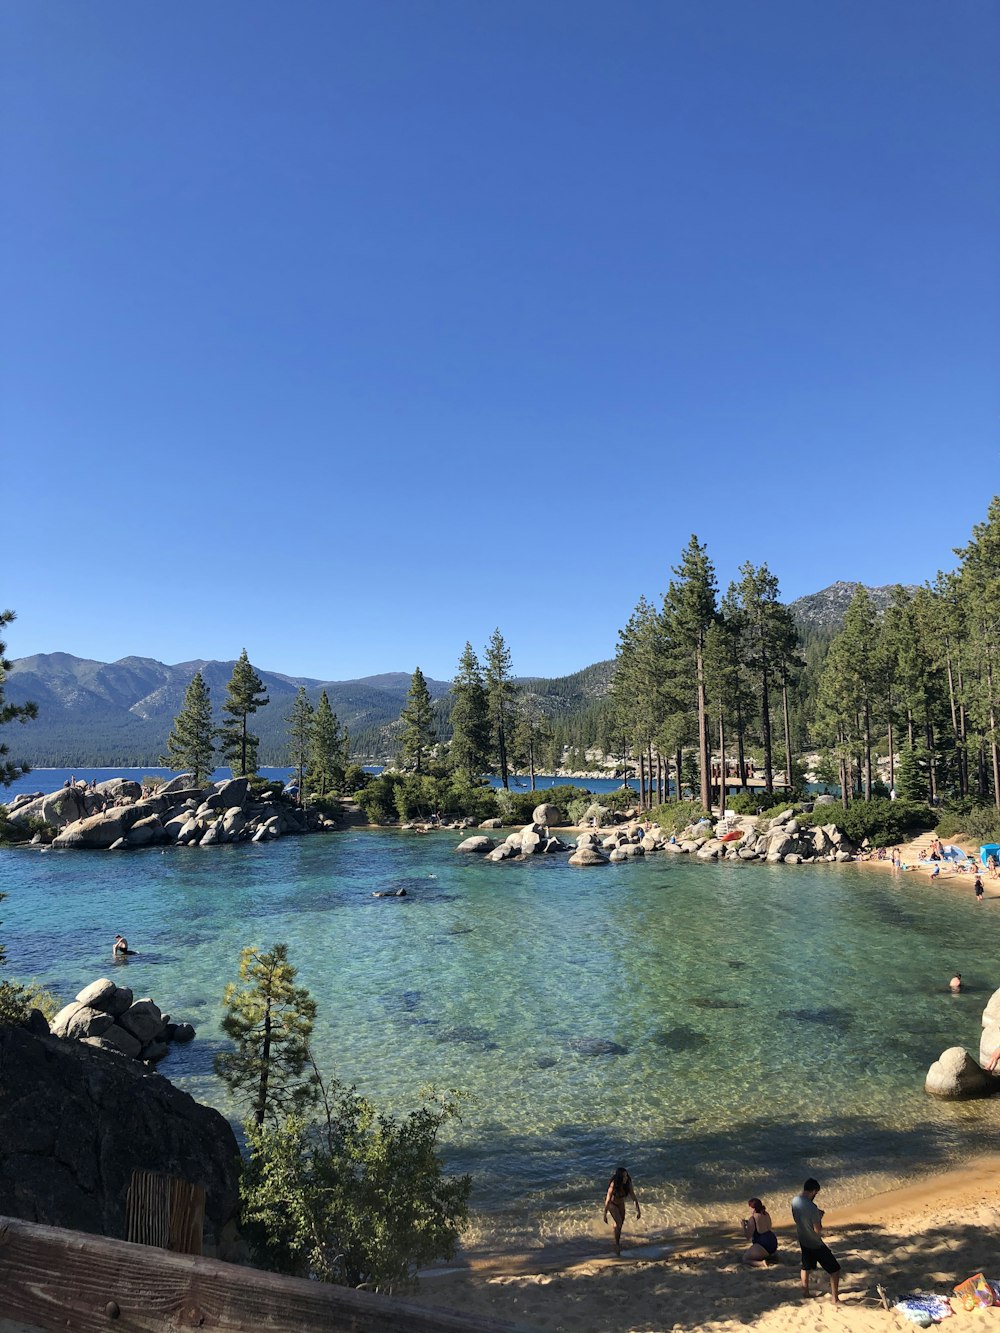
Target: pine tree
x,y
327,749
270,1020
532,733
244,696
418,724
499,700
9,770
470,728
190,745
689,609
300,735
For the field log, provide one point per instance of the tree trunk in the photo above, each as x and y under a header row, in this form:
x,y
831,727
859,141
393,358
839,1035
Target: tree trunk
x,y
788,726
703,752
642,779
678,760
867,714
265,1067
765,725
722,765
892,757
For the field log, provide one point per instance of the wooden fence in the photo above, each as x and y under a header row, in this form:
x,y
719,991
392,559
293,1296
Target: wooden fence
x,y
67,1280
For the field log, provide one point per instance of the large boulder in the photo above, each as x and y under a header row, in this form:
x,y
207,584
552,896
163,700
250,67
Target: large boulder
x,y
588,856
144,832
179,787
545,814
100,831
76,1121
59,808
990,1040
955,1074
224,795
479,843
76,1021
144,1021
117,788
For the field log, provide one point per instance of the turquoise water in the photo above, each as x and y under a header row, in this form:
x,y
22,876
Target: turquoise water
x,y
724,1029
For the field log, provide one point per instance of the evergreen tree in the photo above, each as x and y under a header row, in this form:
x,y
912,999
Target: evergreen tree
x,y
244,696
9,769
190,745
499,700
689,609
979,583
418,724
270,1020
470,727
532,733
327,749
300,735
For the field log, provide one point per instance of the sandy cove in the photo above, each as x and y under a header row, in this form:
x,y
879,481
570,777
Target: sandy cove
x,y
922,1237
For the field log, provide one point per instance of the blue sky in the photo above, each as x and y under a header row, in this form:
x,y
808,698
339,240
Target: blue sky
x,y
346,332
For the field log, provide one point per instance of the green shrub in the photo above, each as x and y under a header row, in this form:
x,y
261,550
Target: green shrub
x,y
750,802
378,798
357,1197
883,822
678,815
979,823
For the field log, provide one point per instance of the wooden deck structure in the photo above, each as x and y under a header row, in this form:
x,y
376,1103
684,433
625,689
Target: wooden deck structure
x,y
51,1279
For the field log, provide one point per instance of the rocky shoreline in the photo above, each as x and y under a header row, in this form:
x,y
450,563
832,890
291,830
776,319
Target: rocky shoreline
x,y
120,814
734,838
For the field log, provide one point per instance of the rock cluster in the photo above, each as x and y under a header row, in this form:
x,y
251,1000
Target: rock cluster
x,y
107,1016
118,814
75,1122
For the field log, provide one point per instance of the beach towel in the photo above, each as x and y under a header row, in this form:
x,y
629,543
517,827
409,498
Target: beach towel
x,y
924,1308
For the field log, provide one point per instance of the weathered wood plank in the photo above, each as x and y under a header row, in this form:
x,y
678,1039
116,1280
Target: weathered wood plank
x,y
52,1279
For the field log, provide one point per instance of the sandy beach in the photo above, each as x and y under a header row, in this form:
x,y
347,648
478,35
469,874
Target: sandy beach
x,y
925,1237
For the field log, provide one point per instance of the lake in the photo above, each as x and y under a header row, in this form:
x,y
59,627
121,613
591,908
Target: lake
x,y
725,1029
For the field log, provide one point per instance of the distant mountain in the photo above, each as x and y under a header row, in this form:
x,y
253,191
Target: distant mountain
x,y
121,712
825,610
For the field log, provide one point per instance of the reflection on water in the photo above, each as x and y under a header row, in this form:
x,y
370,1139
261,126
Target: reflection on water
x,y
725,1029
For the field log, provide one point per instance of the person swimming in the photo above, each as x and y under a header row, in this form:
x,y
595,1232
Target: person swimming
x,y
955,984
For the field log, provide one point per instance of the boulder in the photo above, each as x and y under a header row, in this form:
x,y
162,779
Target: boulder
x,y
588,840
99,994
154,1052
990,1040
183,1032
234,821
116,1039
631,850
479,844
59,809
114,788
224,795
505,852
616,854
597,813
100,831
708,851
491,823
145,832
588,856
213,835
143,1020
75,1122
956,1075
531,842
75,1021
545,814
192,830
179,787
824,799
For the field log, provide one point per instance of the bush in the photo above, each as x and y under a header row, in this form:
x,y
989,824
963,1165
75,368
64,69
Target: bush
x,y
884,823
678,815
750,802
979,823
517,807
358,1197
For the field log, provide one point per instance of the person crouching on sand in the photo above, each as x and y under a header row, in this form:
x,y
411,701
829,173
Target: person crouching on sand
x,y
759,1233
620,1188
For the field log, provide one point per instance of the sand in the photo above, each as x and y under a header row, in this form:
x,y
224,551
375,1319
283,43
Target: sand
x,y
925,1237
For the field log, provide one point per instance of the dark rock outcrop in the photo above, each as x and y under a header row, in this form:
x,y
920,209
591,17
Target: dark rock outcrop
x,y
76,1121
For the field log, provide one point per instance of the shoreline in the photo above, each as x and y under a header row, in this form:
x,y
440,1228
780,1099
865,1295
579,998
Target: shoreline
x,y
925,1235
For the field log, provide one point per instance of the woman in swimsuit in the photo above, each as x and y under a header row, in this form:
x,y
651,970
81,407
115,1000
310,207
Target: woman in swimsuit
x,y
620,1188
759,1232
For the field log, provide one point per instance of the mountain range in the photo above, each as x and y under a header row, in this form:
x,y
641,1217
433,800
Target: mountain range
x,y
120,713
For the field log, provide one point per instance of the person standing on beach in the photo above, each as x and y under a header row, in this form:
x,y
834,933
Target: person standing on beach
x,y
808,1226
620,1188
978,886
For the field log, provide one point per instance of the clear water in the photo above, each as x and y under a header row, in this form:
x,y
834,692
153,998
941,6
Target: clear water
x,y
724,1029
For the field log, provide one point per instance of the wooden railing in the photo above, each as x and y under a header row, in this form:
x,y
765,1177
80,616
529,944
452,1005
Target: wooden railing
x,y
67,1280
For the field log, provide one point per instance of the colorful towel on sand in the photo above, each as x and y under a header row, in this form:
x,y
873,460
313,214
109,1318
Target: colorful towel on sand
x,y
922,1306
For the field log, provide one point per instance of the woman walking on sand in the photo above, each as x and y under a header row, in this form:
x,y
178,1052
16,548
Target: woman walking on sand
x,y
620,1188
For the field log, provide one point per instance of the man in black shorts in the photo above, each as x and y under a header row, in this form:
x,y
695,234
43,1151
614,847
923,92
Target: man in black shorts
x,y
809,1224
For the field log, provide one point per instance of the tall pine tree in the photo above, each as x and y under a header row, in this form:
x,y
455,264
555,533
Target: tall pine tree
x,y
9,770
191,743
688,611
499,701
418,724
244,696
300,734
470,727
327,750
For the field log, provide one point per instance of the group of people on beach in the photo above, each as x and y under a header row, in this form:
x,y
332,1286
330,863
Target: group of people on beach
x,y
757,1228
